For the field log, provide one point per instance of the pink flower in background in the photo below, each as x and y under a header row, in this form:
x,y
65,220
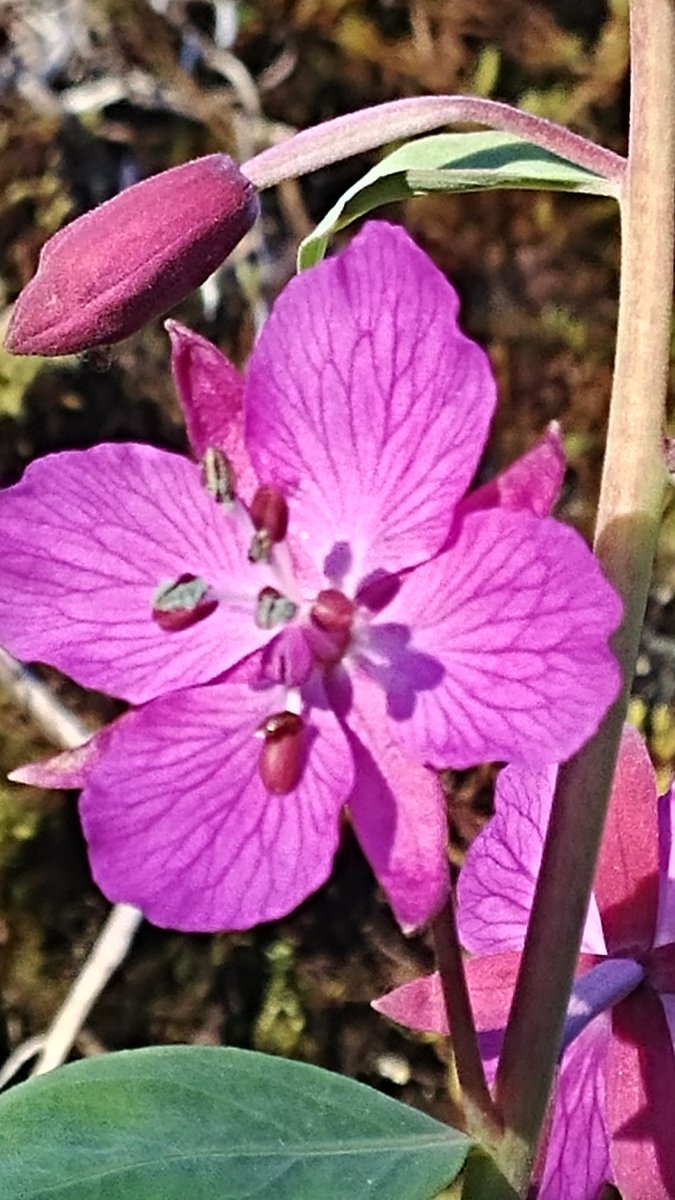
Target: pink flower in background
x,y
328,590
612,1108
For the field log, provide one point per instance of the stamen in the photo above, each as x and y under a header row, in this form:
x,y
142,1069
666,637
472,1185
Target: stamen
x,y
333,611
272,608
331,616
219,477
282,757
269,514
260,549
182,602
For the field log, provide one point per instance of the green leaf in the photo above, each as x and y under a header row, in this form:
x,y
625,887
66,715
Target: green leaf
x,y
452,162
216,1124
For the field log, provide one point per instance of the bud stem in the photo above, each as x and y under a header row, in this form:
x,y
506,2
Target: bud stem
x,y
370,128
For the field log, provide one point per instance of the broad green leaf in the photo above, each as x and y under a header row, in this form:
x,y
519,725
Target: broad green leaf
x,y
216,1124
452,162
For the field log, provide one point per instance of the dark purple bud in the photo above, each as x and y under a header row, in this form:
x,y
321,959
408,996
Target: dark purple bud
x,y
283,754
333,611
182,602
218,476
272,608
115,268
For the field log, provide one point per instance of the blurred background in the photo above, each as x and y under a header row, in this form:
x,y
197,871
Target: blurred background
x,y
96,94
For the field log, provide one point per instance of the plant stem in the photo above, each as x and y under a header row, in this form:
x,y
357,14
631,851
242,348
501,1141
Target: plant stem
x,y
627,527
358,132
478,1108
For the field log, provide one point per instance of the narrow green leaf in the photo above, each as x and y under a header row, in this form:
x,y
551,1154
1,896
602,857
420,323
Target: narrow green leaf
x,y
452,162
216,1124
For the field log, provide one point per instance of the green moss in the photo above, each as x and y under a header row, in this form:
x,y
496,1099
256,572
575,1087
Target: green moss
x,y
281,1020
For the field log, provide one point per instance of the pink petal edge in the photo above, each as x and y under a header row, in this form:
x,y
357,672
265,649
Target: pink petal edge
x,y
516,615
368,406
180,824
86,539
399,813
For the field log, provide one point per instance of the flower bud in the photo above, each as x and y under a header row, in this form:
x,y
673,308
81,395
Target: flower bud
x,y
113,269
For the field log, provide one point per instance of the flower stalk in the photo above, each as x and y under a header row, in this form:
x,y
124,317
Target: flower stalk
x,y
625,541
358,132
476,1105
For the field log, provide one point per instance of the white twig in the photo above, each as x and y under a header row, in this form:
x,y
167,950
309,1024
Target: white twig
x,y
111,947
109,952
32,695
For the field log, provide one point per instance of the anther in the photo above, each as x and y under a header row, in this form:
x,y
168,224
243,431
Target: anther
x,y
283,753
333,611
272,608
331,616
269,514
219,477
182,602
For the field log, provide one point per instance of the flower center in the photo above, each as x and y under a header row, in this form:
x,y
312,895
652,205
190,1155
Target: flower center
x,y
331,617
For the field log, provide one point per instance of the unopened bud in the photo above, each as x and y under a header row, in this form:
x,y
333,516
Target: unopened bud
x,y
115,268
218,476
182,602
283,754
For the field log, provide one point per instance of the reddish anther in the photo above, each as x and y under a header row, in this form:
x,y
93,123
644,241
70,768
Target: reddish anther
x,y
333,611
269,512
283,754
182,603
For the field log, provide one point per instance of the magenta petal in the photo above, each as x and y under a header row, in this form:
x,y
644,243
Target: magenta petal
x,y
211,392
627,877
180,824
516,617
597,990
577,1157
497,881
367,404
399,814
87,537
532,482
641,1098
490,979
417,1005
665,924
496,884
70,769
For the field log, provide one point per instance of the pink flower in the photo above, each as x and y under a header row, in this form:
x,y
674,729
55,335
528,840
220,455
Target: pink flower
x,y
387,627
612,1109
132,258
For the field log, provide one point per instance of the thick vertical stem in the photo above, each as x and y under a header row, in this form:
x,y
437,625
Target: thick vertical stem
x,y
627,527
